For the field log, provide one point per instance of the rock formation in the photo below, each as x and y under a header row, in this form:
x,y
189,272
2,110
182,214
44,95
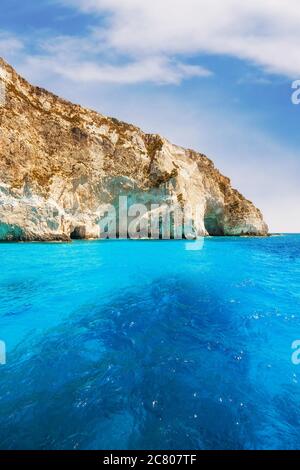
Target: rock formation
x,y
59,162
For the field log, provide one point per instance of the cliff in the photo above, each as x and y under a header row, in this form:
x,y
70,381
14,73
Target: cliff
x,y
59,162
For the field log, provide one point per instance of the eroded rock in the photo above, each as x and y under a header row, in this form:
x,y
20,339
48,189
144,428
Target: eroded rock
x,y
59,162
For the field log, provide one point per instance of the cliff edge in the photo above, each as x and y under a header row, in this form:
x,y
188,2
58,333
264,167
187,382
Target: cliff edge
x,y
59,162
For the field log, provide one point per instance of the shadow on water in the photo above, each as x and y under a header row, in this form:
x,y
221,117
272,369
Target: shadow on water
x,y
164,367
16,296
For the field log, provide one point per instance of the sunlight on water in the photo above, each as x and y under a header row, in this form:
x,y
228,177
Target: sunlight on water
x,y
158,345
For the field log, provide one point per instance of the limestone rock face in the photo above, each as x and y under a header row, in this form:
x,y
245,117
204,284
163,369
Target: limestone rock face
x,y
59,162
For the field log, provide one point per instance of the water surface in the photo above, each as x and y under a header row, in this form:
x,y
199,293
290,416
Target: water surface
x,y
150,344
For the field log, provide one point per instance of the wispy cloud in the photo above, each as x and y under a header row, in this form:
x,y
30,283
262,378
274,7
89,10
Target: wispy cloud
x,y
10,45
159,70
266,33
87,59
138,41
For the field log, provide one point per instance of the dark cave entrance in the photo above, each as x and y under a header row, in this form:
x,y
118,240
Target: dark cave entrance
x,y
79,233
213,222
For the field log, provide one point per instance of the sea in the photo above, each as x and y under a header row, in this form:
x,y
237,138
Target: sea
x,y
123,344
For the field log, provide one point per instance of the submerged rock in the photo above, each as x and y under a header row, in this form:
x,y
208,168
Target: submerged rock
x,y
59,162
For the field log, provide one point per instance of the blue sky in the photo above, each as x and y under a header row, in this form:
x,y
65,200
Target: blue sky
x,y
208,74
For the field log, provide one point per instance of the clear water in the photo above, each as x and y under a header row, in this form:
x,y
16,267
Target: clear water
x,y
150,345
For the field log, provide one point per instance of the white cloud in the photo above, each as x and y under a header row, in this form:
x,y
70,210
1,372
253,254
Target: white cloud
x,y
88,59
158,70
266,33
9,45
140,41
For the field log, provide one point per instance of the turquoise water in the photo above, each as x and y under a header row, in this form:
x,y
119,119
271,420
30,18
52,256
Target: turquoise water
x,y
150,345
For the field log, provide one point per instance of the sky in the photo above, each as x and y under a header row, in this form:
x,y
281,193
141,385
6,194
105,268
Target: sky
x,y
212,75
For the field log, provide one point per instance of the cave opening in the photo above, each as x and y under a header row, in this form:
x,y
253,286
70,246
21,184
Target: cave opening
x,y
213,222
78,233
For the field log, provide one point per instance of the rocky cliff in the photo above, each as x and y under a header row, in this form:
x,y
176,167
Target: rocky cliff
x,y
59,162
